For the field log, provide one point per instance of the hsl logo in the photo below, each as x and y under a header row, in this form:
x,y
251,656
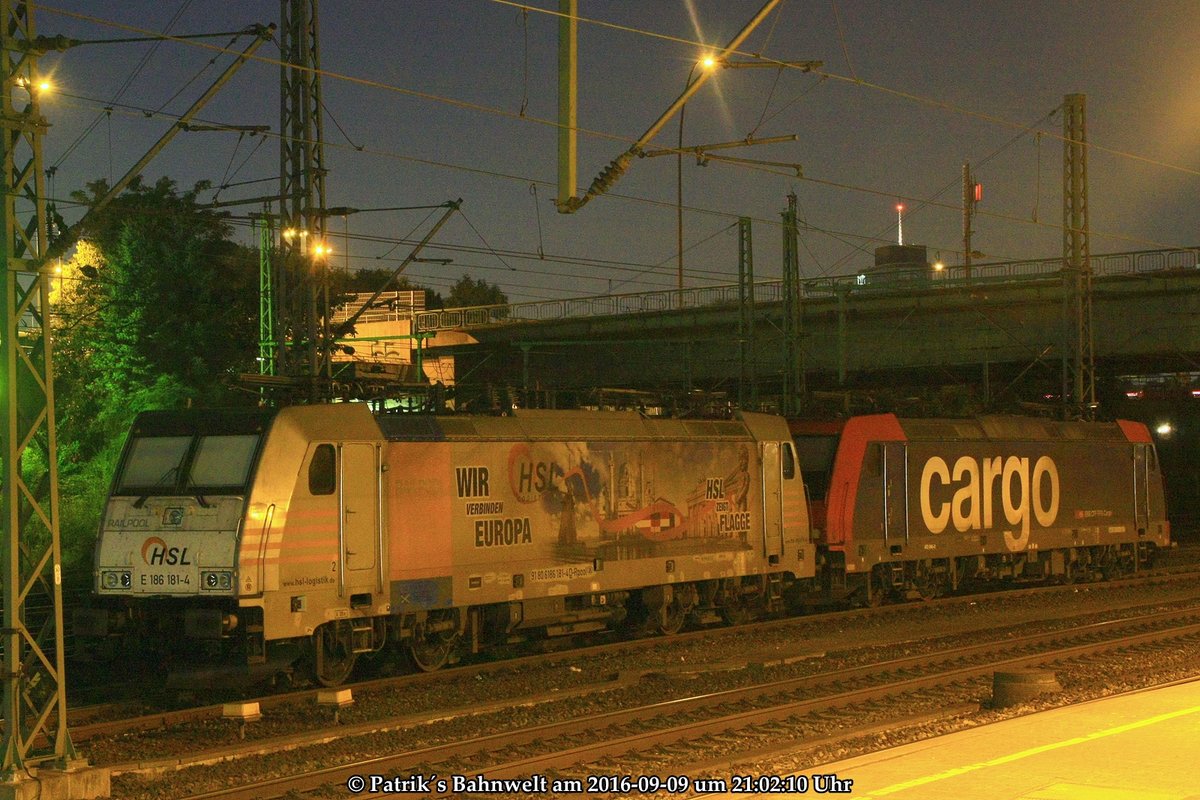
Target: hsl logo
x,y
156,554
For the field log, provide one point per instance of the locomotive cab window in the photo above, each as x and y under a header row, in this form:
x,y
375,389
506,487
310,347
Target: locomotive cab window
x,y
322,474
223,461
789,462
154,462
874,459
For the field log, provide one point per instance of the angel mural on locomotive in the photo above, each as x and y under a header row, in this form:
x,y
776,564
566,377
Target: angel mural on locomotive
x,y
624,500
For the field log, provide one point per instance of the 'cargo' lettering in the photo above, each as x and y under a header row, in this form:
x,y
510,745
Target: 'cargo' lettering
x,y
499,532
1022,494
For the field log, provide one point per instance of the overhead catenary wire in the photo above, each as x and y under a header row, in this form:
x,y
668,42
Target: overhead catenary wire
x,y
912,96
137,112
395,242
124,87
884,193
928,201
477,106
850,187
465,104
639,270
840,235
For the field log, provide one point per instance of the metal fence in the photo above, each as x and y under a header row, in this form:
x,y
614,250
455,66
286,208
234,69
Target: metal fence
x,y
1139,262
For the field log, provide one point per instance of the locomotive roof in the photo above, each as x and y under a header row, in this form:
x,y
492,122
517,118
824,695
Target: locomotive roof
x,y
1011,429
191,421
530,424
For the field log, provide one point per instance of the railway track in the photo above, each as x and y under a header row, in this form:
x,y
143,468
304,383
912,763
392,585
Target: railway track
x,y
109,719
570,749
112,719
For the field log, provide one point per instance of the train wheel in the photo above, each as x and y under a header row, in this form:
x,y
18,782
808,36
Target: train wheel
x,y
431,650
736,611
737,608
876,590
927,583
671,618
673,614
333,657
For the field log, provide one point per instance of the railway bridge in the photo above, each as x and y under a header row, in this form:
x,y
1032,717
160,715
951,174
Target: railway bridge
x,y
999,330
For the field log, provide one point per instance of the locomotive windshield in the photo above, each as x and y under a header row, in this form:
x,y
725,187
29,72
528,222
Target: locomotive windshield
x,y
190,453
158,464
222,461
154,461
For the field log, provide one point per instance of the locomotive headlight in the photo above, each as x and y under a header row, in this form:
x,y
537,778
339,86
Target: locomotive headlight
x,y
116,579
216,580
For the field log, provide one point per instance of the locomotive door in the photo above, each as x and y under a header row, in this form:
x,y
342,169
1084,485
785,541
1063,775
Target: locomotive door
x,y
772,498
359,502
895,492
1141,486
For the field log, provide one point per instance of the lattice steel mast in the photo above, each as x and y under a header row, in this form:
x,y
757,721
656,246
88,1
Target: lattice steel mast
x,y
794,388
301,190
35,704
747,356
1079,363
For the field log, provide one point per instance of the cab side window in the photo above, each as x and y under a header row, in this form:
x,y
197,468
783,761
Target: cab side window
x,y
322,474
789,462
874,459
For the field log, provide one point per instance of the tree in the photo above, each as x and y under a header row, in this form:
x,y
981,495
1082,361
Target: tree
x,y
469,292
342,282
157,308
173,297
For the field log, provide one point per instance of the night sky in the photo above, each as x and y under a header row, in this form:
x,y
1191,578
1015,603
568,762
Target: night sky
x,y
432,100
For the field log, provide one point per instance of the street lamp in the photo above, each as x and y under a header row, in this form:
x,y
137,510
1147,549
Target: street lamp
x,y
709,63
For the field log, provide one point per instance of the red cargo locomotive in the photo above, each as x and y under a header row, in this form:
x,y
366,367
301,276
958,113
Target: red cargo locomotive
x,y
919,507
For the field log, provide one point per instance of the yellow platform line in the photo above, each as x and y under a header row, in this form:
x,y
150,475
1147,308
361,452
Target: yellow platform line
x,y
1032,751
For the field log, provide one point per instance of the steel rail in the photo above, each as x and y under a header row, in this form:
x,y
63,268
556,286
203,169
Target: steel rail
x,y
948,668
167,719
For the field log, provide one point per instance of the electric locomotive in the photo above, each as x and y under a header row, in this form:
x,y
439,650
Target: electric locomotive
x,y
918,507
316,534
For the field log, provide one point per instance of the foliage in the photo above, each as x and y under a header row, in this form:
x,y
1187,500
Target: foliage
x,y
174,296
469,292
343,282
158,309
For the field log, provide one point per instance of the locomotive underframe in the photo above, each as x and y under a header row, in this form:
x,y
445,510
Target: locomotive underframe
x,y
916,579
436,637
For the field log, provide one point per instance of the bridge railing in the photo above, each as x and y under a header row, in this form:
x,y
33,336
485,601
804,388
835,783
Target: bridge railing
x,y
1139,262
